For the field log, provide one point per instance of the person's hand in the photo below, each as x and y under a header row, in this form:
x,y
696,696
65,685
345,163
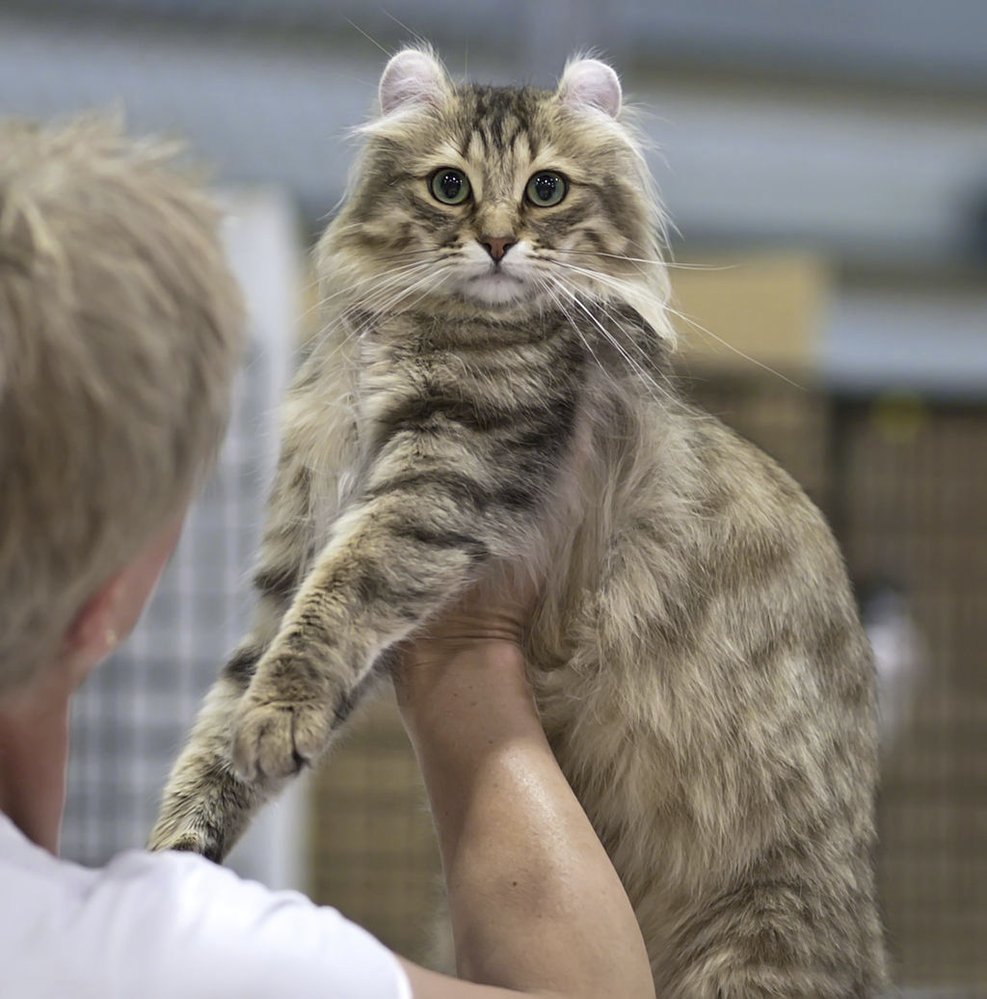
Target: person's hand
x,y
477,638
535,904
490,611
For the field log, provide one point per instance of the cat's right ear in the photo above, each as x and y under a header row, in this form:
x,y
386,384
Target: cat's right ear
x,y
590,84
413,77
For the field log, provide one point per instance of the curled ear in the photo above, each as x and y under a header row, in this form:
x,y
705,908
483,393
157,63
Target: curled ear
x,y
589,83
412,77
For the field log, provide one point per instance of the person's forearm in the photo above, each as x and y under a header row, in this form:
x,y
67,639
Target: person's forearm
x,y
536,905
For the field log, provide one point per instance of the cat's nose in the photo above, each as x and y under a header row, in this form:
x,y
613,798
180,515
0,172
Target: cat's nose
x,y
497,246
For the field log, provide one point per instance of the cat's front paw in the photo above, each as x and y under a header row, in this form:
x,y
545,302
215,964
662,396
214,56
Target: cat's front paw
x,y
274,739
186,840
184,825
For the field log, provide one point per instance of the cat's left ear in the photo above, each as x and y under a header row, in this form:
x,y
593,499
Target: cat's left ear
x,y
589,83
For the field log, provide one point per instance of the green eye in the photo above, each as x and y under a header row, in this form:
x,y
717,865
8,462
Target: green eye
x,y
546,189
450,186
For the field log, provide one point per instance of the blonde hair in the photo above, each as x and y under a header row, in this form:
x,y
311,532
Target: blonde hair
x,y
120,326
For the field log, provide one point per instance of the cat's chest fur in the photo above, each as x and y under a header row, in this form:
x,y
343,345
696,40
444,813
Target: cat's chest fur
x,y
495,402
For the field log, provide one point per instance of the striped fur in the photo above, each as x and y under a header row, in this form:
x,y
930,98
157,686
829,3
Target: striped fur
x,y
696,656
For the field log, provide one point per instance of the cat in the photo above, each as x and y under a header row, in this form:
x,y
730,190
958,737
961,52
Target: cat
x,y
492,393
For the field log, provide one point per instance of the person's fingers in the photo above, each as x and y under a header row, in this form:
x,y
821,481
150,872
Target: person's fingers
x,y
498,607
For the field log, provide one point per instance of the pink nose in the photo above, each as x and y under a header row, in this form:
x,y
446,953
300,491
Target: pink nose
x,y
497,246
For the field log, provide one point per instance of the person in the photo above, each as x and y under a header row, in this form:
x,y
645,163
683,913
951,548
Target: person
x,y
120,330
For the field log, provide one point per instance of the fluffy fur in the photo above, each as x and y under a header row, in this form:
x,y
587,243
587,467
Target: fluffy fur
x,y
696,656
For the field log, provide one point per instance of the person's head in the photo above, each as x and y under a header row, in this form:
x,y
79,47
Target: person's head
x,y
120,326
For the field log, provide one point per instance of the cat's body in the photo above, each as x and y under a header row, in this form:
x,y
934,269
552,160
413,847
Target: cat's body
x,y
696,655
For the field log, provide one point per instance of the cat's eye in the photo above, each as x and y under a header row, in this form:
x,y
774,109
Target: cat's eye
x,y
546,188
450,186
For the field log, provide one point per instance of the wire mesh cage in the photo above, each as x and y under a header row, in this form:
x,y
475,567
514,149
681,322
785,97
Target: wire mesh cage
x,y
914,514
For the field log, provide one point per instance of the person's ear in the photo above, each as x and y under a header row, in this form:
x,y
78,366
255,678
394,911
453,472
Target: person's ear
x,y
111,612
93,634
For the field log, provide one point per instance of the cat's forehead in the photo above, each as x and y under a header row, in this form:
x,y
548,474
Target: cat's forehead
x,y
499,119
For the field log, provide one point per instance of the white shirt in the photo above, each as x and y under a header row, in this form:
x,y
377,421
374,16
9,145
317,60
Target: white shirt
x,y
173,926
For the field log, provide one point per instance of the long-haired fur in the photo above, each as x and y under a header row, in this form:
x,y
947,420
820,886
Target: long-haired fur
x,y
492,393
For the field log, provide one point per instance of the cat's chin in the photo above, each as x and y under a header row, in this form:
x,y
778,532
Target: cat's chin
x,y
497,289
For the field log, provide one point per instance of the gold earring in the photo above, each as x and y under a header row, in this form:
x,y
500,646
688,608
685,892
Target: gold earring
x,y
111,639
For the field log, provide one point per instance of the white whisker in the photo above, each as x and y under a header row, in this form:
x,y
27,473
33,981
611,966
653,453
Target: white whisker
x,y
654,263
568,316
607,280
618,285
382,298
382,278
635,365
731,347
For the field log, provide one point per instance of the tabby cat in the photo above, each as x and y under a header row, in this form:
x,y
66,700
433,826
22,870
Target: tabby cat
x,y
492,394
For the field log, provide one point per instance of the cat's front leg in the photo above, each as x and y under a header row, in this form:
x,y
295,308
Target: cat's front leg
x,y
392,562
205,806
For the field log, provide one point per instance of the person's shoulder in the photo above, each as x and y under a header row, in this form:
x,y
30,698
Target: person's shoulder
x,y
175,924
24,863
174,871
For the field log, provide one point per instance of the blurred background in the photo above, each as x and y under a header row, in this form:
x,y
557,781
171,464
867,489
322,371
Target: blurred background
x,y
824,163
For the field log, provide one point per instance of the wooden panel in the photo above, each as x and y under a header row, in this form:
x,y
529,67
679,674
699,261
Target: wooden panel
x,y
737,313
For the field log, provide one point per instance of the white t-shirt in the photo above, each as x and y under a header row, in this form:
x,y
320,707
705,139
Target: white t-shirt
x,y
173,926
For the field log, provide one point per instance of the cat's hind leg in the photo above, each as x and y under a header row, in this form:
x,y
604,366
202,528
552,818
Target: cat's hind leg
x,y
785,938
